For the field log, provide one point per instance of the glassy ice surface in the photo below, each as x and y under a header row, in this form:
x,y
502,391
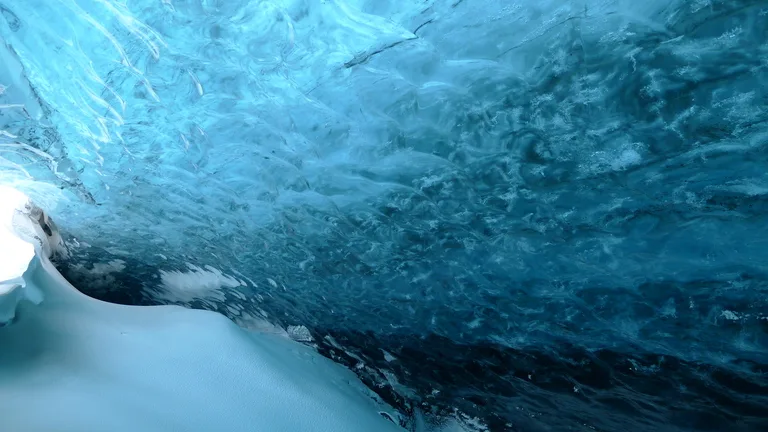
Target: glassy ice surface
x,y
523,215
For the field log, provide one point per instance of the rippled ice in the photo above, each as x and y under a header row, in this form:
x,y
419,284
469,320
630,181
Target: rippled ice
x,y
526,215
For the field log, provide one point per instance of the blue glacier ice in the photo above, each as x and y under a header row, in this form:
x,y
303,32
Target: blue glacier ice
x,y
512,215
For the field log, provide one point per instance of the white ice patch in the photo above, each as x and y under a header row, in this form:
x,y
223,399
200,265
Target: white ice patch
x,y
626,159
195,284
299,333
388,356
617,159
101,273
114,266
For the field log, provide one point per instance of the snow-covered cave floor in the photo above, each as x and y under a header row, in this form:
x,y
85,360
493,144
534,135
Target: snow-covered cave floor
x,y
70,363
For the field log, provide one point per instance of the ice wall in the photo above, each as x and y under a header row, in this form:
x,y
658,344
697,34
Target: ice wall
x,y
510,188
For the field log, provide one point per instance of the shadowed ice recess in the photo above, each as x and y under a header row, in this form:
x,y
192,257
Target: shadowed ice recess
x,y
510,215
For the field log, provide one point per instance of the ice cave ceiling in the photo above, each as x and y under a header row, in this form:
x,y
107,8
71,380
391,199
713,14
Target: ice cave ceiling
x,y
541,215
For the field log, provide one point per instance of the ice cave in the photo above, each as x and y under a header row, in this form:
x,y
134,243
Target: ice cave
x,y
383,215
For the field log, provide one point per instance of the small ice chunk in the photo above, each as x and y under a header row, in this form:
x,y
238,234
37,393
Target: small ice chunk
x,y
626,159
388,357
299,333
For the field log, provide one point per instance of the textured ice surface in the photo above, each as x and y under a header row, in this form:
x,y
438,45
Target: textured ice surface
x,y
541,214
72,363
